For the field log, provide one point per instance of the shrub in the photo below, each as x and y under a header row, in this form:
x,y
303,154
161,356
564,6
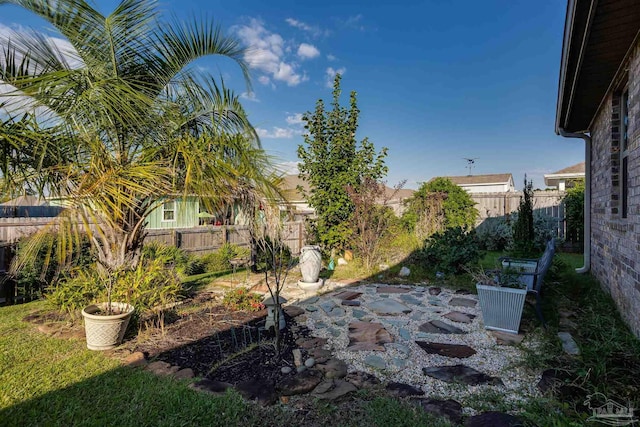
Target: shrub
x,y
170,255
451,250
495,234
75,291
242,299
220,260
523,229
574,208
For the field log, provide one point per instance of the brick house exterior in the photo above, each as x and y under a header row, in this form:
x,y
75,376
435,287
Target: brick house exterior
x,y
599,101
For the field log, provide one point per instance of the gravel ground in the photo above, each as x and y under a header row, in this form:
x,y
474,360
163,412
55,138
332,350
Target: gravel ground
x,y
492,359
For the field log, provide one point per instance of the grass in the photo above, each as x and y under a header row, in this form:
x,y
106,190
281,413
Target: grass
x,y
50,381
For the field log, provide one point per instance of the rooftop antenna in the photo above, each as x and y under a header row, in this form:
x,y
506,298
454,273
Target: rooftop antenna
x,y
470,163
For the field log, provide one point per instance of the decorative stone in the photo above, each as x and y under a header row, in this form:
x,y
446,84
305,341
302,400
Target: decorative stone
x,y
359,314
308,343
463,302
435,291
403,390
348,295
391,290
327,306
342,261
410,299
333,368
311,308
404,272
135,359
310,362
404,334
457,316
435,301
400,348
442,408
293,311
462,292
506,338
375,361
162,368
398,323
362,379
368,336
569,345
312,300
258,390
494,419
302,383
340,322
337,312
398,363
350,303
448,350
286,370
185,373
460,374
388,307
337,389
439,327
301,368
297,357
210,386
320,354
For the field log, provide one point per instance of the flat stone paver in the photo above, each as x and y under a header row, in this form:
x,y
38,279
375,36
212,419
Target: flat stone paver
x,y
368,336
459,317
459,351
440,327
391,290
460,374
463,302
388,307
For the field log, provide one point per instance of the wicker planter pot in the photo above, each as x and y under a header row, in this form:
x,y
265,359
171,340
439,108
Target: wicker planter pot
x,y
501,307
106,332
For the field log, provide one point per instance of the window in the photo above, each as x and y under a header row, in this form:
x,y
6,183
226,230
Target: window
x,y
624,152
169,211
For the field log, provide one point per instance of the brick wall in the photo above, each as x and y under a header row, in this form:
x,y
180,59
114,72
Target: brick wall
x,y
615,241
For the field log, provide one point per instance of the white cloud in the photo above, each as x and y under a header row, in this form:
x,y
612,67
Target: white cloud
x,y
264,80
330,75
249,96
277,133
313,30
267,53
355,22
308,51
288,168
331,57
295,119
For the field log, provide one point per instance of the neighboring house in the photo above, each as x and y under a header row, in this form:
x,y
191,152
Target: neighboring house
x,y
28,207
491,183
189,212
599,101
565,178
301,209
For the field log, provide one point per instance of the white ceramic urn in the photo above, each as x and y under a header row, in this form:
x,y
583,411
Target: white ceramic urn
x,y
310,263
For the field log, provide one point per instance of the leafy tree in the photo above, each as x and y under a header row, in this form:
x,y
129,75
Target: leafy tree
x,y
331,161
134,121
443,204
523,229
574,209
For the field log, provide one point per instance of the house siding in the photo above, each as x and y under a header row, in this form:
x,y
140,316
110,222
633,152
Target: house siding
x,y
615,241
186,215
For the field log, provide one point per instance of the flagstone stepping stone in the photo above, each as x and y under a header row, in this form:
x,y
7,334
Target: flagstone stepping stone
x,y
162,368
327,306
362,379
337,312
457,316
462,292
506,338
391,290
404,334
321,325
368,336
375,361
403,390
558,382
435,291
259,390
388,307
494,419
417,315
409,299
398,363
311,308
435,301
396,322
359,314
460,374
332,368
333,389
463,302
320,354
293,311
351,303
312,300
340,322
422,335
404,350
443,408
185,373
334,332
348,295
569,345
440,327
300,383
459,351
313,342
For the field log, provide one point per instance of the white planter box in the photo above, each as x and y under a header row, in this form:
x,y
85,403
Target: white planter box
x,y
522,267
501,307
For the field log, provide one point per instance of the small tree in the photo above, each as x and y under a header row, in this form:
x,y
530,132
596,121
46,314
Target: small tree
x,y
332,160
371,219
523,228
574,212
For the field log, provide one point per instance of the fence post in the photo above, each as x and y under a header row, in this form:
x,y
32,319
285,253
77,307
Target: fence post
x,y
174,238
300,240
225,235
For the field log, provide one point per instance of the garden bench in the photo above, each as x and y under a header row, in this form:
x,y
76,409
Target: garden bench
x,y
531,272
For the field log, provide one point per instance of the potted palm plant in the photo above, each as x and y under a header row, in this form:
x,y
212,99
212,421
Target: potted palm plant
x,y
131,126
501,298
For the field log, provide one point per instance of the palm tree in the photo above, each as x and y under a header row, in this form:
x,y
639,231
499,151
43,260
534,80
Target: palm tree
x,y
126,121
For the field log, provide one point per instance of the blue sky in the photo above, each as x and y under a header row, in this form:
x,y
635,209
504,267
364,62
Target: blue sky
x,y
437,81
